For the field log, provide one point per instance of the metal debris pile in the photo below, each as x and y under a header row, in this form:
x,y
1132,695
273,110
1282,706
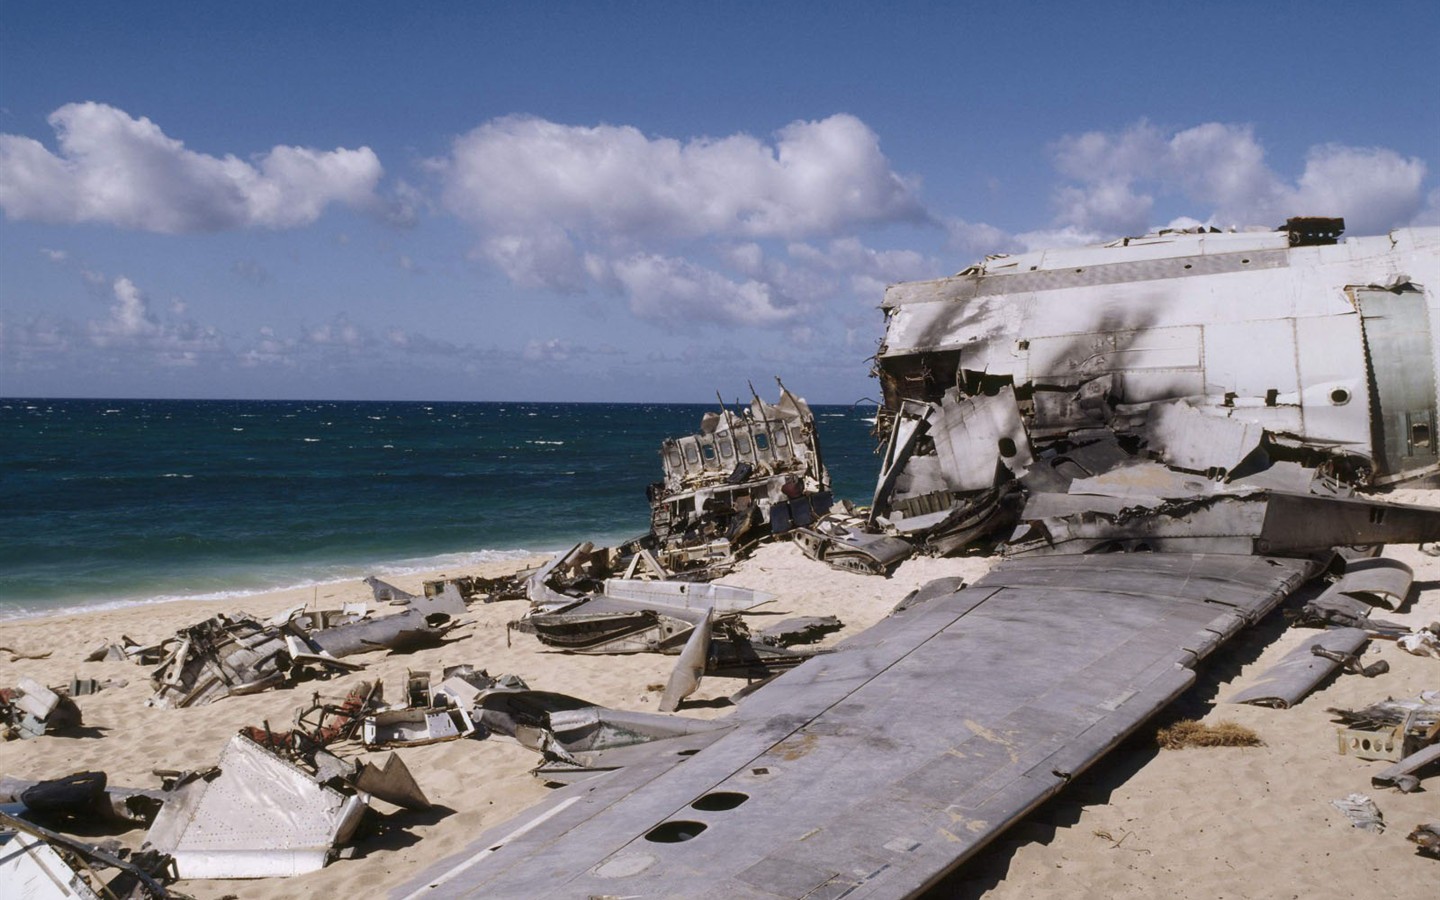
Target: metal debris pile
x,y
31,709
226,655
747,475
702,624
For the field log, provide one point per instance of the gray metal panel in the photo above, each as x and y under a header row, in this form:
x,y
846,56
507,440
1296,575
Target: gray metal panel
x,y
1400,352
963,287
1385,582
1291,679
877,768
1334,389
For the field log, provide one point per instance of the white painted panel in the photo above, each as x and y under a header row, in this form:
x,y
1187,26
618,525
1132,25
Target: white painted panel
x,y
1251,358
1332,359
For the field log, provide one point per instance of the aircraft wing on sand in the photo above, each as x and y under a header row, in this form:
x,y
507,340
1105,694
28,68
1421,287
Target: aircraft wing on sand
x,y
874,770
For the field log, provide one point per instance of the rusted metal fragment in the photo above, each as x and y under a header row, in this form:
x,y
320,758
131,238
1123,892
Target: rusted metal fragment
x,y
1426,838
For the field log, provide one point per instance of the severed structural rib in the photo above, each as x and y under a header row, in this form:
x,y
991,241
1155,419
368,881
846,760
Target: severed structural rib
x,y
875,770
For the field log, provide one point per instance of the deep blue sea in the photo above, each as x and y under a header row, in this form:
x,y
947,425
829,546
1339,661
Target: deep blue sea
x,y
107,502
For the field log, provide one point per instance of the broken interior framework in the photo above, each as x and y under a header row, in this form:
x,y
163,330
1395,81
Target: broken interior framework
x,y
702,624
747,474
226,655
1156,390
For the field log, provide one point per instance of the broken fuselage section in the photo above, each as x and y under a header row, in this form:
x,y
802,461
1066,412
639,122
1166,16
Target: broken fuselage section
x,y
746,475
1159,391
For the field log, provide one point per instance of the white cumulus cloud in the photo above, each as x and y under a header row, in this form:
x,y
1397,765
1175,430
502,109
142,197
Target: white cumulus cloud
x,y
1220,171
114,169
672,290
567,207
132,327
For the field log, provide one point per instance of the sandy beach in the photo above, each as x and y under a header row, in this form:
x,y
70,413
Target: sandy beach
x,y
1219,822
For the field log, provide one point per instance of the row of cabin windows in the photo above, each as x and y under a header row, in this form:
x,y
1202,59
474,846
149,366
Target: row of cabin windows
x,y
725,449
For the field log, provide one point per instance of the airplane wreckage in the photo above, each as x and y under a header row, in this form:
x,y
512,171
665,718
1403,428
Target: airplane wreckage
x,y
1164,438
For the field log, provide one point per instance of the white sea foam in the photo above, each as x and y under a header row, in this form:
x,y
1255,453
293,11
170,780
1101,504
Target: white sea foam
x,y
321,576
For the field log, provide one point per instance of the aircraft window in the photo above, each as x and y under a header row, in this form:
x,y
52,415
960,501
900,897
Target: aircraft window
x,y
673,455
727,449
692,457
709,452
780,438
1420,434
762,442
1339,397
1007,447
742,443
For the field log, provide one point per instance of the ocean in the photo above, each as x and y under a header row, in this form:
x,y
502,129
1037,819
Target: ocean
x,y
116,502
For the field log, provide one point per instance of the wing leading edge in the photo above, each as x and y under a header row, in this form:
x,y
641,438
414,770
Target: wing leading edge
x,y
875,770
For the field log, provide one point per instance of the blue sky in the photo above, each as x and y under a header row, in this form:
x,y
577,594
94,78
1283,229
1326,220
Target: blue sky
x,y
634,201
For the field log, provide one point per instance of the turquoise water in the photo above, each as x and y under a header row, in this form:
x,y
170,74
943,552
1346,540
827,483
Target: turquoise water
x,y
106,502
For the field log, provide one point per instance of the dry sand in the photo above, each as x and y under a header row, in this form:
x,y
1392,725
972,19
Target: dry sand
x,y
1220,822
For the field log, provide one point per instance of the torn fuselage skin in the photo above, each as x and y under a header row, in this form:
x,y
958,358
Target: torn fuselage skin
x,y
1120,371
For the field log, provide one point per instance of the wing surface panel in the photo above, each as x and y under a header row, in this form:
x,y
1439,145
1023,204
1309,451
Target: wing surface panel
x,y
874,770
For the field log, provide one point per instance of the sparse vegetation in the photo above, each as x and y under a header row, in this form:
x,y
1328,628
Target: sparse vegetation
x,y
1192,733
